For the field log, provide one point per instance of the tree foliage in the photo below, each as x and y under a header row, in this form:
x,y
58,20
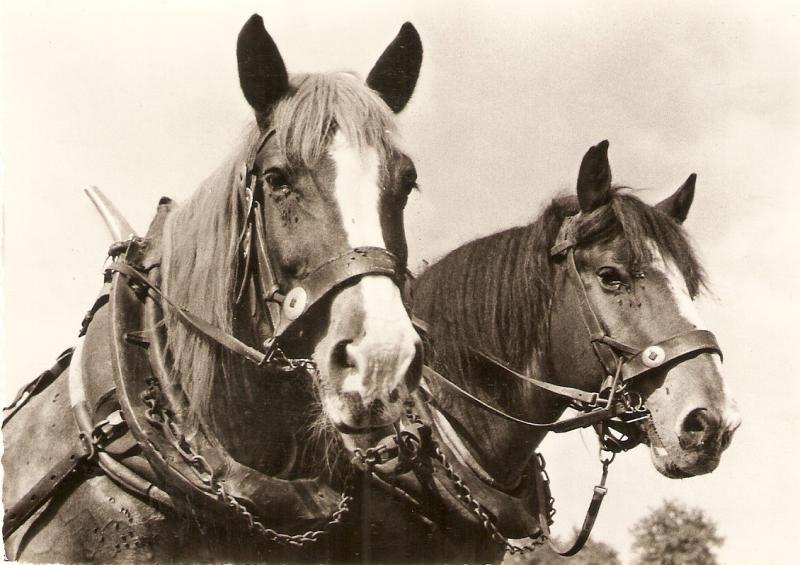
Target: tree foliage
x,y
674,534
593,553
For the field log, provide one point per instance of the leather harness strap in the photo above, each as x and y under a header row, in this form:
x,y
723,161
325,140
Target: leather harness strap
x,y
330,275
45,488
208,330
37,385
598,494
19,512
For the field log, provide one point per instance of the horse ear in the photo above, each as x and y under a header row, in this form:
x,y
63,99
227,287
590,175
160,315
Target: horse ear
x,y
679,203
395,74
594,178
262,73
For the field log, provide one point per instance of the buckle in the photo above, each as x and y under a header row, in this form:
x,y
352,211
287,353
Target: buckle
x,y
107,429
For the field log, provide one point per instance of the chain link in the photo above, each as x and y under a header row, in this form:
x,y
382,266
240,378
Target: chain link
x,y
464,494
163,419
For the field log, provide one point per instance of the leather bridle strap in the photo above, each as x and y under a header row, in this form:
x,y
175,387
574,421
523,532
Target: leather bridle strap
x,y
597,335
592,512
204,328
333,273
328,276
557,426
693,341
571,393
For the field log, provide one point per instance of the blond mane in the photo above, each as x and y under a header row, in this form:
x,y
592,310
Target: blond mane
x,y
201,255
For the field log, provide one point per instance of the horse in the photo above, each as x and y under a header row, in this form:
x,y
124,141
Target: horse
x,y
590,306
255,330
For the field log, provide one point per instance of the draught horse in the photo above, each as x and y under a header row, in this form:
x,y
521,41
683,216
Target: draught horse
x,y
169,433
590,306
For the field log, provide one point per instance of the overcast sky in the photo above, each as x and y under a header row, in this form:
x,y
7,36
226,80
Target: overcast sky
x,y
142,99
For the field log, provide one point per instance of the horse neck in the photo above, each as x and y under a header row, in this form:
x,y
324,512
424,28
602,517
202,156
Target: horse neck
x,y
502,448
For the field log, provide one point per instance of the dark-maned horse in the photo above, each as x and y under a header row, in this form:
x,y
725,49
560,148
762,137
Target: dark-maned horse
x,y
595,295
190,443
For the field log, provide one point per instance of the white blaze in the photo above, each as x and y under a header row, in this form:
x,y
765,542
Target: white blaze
x,y
677,285
357,192
387,327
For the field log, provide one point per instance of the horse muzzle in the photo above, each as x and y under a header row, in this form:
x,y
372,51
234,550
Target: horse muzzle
x,y
696,447
370,361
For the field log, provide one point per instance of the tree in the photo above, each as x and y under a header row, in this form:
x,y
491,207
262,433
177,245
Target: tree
x,y
593,553
674,534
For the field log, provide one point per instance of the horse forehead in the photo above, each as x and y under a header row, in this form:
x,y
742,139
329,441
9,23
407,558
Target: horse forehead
x,y
357,190
676,285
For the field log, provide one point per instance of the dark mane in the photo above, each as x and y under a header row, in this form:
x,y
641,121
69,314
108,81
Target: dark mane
x,y
494,293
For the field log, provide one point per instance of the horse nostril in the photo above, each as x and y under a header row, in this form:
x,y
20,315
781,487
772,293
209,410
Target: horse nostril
x,y
697,428
340,357
696,421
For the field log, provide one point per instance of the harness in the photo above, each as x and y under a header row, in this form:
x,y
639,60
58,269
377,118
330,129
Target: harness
x,y
406,462
612,411
201,471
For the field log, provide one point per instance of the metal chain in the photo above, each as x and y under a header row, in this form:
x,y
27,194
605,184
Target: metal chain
x,y
163,418
464,494
277,360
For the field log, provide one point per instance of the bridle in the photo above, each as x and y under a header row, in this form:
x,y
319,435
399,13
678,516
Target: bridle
x,y
619,362
613,410
284,307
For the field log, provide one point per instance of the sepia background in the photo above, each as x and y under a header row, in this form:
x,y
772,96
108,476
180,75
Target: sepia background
x,y
142,99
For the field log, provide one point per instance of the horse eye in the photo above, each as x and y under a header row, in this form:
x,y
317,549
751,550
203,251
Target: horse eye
x,y
610,278
277,180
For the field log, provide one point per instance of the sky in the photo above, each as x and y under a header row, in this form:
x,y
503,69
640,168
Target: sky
x,y
142,100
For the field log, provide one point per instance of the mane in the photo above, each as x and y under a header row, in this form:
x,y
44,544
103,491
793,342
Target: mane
x,y
201,254
494,293
320,105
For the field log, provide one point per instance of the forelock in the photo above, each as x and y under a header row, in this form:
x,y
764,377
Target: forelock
x,y
318,106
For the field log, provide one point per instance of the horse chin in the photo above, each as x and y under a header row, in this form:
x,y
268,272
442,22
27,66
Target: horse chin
x,y
360,427
674,462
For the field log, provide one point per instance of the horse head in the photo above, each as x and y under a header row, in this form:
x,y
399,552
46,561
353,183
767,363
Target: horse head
x,y
334,180
639,277
310,247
